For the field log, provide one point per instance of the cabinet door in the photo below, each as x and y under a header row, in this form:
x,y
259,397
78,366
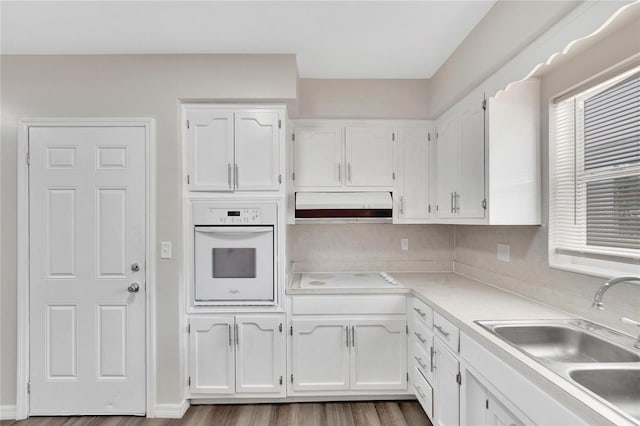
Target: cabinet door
x,y
369,156
211,355
413,174
378,354
210,150
446,390
318,157
260,354
320,355
498,415
471,159
447,148
257,151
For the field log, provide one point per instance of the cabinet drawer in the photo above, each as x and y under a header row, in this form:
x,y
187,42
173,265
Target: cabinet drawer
x,y
448,332
349,304
422,360
424,393
422,312
422,336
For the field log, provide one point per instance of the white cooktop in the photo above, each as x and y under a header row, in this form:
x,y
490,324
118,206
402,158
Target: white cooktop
x,y
347,280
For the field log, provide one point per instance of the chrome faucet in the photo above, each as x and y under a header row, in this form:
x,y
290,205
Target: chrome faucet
x,y
597,299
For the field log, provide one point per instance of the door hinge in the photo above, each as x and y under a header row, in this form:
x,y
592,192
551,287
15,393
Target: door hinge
x,y
28,158
437,135
459,379
279,178
189,380
487,404
393,137
29,387
188,179
280,327
429,137
292,378
407,376
484,204
393,175
406,328
291,330
279,124
280,380
293,175
437,207
293,137
484,104
188,124
429,207
188,328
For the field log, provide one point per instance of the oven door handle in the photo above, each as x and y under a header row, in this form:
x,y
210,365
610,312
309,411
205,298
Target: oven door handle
x,y
238,230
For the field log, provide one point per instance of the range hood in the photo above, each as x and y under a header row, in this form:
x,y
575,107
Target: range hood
x,y
343,207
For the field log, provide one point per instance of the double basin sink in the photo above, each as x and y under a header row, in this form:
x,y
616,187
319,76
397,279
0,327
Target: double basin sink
x,y
600,360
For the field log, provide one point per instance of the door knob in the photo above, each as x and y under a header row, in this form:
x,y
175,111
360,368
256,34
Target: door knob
x,y
133,288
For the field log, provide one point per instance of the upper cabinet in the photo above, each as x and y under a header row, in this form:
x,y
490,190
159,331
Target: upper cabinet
x,y
488,158
233,149
333,156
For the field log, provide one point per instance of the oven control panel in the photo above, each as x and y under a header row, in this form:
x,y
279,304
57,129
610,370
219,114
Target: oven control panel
x,y
243,216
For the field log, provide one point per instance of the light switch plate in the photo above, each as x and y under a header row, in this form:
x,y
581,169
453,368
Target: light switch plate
x,y
504,252
404,244
165,250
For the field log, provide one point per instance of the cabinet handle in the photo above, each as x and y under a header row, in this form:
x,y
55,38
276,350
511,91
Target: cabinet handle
x,y
346,327
456,203
349,171
423,396
431,354
451,202
229,174
236,174
229,334
424,367
401,204
444,333
339,172
420,312
419,336
353,336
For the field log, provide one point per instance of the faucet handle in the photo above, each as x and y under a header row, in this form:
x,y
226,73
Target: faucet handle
x,y
629,321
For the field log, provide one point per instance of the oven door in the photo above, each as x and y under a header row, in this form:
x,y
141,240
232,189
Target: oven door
x,y
234,263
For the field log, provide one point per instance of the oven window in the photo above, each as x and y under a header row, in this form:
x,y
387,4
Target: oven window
x,y
234,263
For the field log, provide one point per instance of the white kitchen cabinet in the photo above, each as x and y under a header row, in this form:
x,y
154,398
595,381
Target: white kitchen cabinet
x,y
318,152
446,389
233,149
460,147
378,354
369,156
412,194
320,355
238,355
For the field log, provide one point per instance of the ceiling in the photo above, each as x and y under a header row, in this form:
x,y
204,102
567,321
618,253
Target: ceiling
x,y
331,39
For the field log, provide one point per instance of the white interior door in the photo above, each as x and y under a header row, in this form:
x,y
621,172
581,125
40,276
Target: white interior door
x,y
87,228
257,150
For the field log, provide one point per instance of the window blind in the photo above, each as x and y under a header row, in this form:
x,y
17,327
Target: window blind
x,y
595,182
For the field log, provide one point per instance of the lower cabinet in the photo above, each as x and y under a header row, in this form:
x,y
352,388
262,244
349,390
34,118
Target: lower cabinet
x,y
480,407
242,354
342,354
446,398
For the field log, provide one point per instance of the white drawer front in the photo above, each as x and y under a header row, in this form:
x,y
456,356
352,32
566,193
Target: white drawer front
x,y
422,312
448,332
349,304
424,393
423,361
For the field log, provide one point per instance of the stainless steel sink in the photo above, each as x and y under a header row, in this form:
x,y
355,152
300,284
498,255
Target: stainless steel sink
x,y
598,359
620,387
562,343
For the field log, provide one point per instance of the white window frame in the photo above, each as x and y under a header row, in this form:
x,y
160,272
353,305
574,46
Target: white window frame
x,y
601,262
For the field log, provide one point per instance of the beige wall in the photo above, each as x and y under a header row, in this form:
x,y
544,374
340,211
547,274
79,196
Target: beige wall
x,y
528,272
338,98
370,247
125,86
507,28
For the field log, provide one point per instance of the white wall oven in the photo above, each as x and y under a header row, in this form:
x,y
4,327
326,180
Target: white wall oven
x,y
234,254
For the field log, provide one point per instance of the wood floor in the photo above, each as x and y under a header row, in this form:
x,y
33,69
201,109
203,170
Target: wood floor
x,y
396,413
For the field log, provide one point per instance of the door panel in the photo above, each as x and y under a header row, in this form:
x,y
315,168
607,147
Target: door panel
x,y
447,148
320,355
414,173
87,225
378,354
210,153
369,156
446,390
257,151
318,157
260,354
471,157
211,355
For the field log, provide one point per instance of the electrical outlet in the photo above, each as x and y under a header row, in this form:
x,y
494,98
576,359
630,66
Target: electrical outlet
x,y
404,244
165,250
503,254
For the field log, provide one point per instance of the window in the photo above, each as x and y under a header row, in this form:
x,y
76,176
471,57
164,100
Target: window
x,y
594,187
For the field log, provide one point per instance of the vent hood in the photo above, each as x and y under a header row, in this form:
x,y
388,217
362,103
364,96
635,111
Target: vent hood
x,y
343,207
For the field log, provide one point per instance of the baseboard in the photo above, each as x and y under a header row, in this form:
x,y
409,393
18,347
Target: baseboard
x,y
171,411
7,412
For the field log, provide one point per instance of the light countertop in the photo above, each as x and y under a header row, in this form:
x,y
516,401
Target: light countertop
x,y
462,301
